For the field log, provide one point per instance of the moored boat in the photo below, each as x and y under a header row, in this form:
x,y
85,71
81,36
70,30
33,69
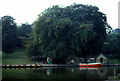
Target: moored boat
x,y
90,64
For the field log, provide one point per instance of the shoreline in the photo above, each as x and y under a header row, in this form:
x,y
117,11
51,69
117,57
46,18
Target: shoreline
x,y
50,65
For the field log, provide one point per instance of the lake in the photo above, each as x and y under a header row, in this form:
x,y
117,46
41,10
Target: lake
x,y
102,73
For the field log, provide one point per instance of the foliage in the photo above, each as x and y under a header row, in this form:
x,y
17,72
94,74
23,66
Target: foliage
x,y
23,32
76,29
112,44
114,60
9,34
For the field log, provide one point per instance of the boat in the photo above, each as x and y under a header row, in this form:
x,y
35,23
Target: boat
x,y
90,64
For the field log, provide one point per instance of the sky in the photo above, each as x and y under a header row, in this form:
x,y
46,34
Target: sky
x,y
28,10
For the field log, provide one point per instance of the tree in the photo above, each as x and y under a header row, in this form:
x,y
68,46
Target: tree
x,y
9,34
23,32
112,43
77,29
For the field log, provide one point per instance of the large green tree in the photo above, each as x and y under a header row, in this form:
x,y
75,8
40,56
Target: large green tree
x,y
76,29
23,33
9,34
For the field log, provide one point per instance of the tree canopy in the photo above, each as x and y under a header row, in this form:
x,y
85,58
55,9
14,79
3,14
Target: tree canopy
x,y
23,32
76,29
112,44
9,34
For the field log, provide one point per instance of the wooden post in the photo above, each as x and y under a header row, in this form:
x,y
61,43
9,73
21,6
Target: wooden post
x,y
114,74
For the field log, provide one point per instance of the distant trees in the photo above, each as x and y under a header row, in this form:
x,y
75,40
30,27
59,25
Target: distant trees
x,y
12,35
23,32
9,34
112,44
59,32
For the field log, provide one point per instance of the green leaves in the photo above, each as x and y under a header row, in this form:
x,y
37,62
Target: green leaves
x,y
9,34
24,32
112,44
76,29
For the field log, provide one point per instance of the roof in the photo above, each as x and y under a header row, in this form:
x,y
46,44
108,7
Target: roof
x,y
101,55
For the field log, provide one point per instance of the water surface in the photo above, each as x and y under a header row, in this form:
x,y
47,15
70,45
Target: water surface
x,y
102,73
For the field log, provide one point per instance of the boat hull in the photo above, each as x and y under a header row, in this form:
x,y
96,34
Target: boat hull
x,y
91,65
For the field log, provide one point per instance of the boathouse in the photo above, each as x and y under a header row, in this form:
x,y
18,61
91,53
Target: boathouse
x,y
101,59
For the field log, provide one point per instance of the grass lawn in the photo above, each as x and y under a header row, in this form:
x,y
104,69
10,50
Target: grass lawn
x,y
18,57
114,61
18,53
116,78
21,60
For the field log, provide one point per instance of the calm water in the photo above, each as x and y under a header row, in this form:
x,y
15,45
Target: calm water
x,y
60,73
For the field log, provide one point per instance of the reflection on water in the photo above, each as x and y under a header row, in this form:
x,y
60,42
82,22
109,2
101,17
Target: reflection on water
x,y
60,73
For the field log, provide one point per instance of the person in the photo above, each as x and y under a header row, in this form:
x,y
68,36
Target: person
x,y
35,63
45,62
88,61
72,61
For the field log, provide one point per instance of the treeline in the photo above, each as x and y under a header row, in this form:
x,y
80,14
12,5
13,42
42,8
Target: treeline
x,y
112,44
12,34
58,32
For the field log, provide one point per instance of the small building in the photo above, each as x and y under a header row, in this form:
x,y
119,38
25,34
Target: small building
x,y
101,59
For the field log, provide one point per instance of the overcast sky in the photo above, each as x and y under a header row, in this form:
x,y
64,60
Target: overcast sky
x,y
27,10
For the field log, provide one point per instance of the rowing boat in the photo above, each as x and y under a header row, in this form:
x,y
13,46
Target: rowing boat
x,y
90,64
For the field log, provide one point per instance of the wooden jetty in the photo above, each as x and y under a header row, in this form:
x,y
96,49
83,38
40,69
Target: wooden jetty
x,y
49,65
21,66
40,65
59,65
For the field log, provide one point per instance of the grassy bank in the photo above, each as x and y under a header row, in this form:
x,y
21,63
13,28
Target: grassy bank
x,y
18,57
114,61
17,53
21,57
17,61
115,77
